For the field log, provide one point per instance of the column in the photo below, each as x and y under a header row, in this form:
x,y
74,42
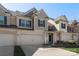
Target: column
x,y
45,37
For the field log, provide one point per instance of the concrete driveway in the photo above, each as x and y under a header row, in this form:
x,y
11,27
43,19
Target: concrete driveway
x,y
53,52
6,50
38,50
29,50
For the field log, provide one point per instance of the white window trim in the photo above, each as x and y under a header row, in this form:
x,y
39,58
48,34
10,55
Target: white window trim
x,y
24,19
41,26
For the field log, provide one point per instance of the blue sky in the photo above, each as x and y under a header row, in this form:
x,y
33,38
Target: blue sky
x,y
53,10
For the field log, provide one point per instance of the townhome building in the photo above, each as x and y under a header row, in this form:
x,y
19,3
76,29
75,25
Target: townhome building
x,y
65,31
34,27
18,28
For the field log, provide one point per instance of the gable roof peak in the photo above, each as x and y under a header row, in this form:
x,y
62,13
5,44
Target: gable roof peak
x,y
41,10
42,13
30,12
62,18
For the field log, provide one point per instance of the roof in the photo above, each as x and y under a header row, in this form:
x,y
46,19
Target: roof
x,y
42,13
16,13
19,13
51,18
30,12
61,18
3,8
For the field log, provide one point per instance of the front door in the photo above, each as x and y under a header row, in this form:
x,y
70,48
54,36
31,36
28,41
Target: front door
x,y
50,38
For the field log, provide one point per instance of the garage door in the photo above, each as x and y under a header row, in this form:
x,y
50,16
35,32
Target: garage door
x,y
6,39
30,39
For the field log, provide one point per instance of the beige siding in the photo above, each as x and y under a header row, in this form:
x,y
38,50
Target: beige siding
x,y
8,20
55,37
7,31
68,37
13,20
41,13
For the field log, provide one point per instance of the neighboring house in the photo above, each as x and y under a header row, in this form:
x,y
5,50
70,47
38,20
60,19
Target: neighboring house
x,y
65,31
34,28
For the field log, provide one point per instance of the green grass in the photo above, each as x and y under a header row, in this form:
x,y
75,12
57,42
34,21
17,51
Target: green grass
x,y
72,49
18,51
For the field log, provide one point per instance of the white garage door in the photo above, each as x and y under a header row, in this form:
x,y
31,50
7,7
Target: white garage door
x,y
6,39
31,39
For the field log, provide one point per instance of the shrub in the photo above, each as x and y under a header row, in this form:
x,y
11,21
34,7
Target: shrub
x,y
66,44
18,51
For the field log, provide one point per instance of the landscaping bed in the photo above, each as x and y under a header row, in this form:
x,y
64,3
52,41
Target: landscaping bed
x,y
18,51
70,46
66,44
76,50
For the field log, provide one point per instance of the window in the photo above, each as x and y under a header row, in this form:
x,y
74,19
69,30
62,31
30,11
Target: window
x,y
41,23
28,23
73,30
63,26
51,28
3,20
24,23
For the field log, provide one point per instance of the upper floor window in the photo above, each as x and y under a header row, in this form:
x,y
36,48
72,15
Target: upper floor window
x,y
41,23
63,26
24,23
3,20
51,28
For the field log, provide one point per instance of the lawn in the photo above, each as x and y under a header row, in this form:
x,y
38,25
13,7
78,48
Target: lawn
x,y
18,51
72,49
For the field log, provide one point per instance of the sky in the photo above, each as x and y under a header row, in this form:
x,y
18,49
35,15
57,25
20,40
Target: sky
x,y
53,10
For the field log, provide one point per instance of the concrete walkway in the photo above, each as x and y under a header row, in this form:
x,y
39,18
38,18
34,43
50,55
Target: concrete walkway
x,y
54,52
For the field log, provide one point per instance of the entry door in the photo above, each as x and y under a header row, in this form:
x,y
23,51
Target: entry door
x,y
51,38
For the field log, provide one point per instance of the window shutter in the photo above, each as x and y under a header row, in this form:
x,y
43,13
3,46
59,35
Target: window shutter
x,y
19,22
38,22
5,19
43,23
30,23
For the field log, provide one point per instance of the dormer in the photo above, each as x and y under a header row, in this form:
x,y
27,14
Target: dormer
x,y
62,22
40,20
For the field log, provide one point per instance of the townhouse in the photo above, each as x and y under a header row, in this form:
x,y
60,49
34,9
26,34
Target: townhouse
x,y
17,28
34,27
65,31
